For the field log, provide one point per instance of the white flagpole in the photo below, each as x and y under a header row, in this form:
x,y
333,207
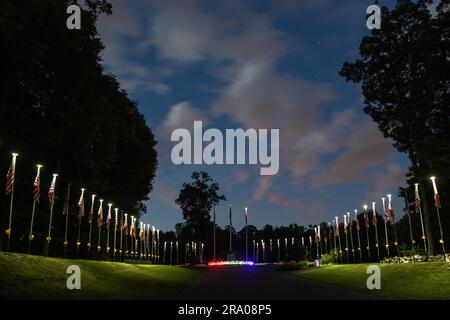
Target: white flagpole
x,y
383,200
367,229
419,208
11,203
246,235
91,217
351,234
374,217
346,235
31,235
100,212
108,220
437,205
79,219
116,213
121,234
52,204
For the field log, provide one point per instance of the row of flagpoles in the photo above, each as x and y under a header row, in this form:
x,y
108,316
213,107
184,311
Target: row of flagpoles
x,y
144,241
351,225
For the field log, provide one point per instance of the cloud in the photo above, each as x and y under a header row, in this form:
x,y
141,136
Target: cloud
x,y
365,148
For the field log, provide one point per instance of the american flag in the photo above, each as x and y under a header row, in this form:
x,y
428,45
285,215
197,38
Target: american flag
x,y
142,232
132,229
366,219
356,220
437,200
66,201
10,180
391,211
374,215
100,214
108,217
330,233
386,215
337,229
91,210
37,188
417,198
345,223
81,205
51,192
125,226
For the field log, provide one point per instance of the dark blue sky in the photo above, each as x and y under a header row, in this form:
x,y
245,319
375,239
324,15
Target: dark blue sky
x,y
256,64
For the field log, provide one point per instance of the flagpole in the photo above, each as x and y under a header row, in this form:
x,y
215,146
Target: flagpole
x,y
176,247
419,210
230,228
80,215
346,236
66,213
359,237
115,232
278,249
410,226
36,199
52,204
366,222
383,199
374,221
214,233
148,243
99,223
391,211
91,216
351,235
437,205
121,235
11,203
246,236
310,248
108,222
339,238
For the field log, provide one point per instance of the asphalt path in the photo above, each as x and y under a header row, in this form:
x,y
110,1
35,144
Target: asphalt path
x,y
262,282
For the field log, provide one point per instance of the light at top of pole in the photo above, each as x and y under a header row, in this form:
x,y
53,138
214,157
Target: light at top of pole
x,y
110,205
101,201
365,207
55,175
433,180
39,166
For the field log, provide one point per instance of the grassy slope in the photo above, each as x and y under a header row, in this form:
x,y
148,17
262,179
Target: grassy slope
x,y
398,281
33,277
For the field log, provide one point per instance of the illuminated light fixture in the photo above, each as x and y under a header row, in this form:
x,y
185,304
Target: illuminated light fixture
x,y
230,263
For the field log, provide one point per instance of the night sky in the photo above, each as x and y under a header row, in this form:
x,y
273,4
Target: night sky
x,y
256,64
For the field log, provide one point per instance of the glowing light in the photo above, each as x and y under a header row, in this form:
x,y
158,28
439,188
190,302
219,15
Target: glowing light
x,y
230,263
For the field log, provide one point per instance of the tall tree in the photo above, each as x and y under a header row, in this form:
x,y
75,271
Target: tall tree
x,y
404,71
59,108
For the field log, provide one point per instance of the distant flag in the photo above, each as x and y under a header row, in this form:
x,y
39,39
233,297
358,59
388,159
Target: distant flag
x,y
142,232
303,241
337,227
391,208
37,187
51,192
100,214
345,223
357,220
417,197
91,210
386,214
10,178
108,217
66,201
366,219
318,234
374,214
125,225
81,205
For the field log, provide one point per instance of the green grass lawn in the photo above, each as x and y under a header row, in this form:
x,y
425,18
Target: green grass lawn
x,y
398,281
34,277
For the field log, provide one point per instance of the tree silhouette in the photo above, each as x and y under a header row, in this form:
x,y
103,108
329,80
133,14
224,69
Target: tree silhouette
x,y
404,74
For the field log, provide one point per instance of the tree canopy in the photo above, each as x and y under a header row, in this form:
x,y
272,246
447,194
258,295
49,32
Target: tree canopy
x,y
404,71
59,108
